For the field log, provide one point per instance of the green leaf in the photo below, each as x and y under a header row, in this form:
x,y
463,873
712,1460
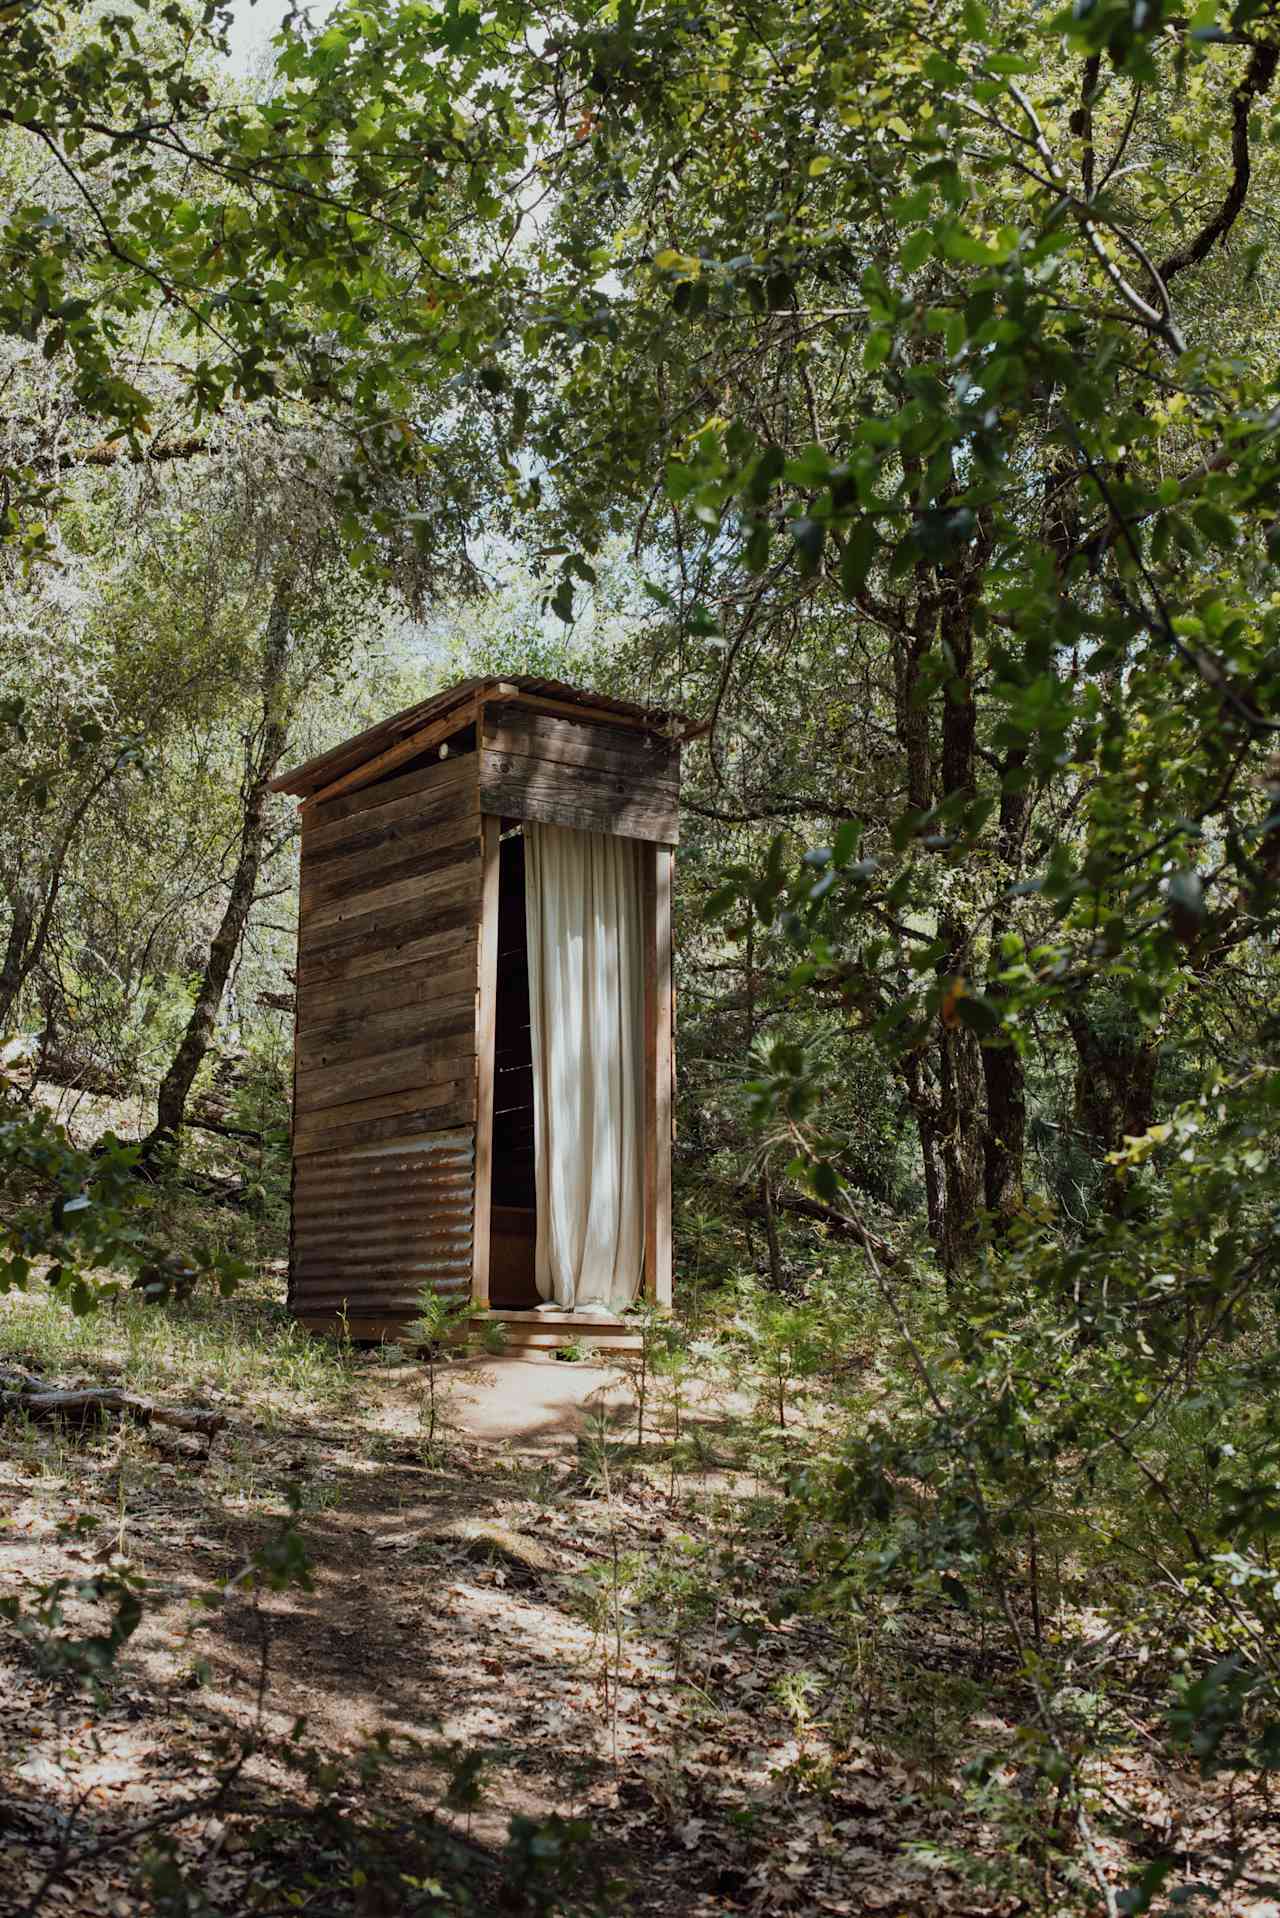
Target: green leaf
x,y
1219,528
876,351
809,535
860,548
915,249
943,531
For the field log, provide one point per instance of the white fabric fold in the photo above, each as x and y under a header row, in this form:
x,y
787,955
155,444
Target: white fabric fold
x,y
585,914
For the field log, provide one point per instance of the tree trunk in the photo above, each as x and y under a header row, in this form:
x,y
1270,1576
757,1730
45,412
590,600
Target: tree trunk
x,y
175,1087
961,1140
1115,1090
12,971
1006,1133
964,1128
32,919
924,1107
771,1230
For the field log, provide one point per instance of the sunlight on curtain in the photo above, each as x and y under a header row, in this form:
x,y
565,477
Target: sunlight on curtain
x,y
584,904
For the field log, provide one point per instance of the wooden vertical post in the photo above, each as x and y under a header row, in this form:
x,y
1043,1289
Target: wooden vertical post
x,y
486,1014
658,1074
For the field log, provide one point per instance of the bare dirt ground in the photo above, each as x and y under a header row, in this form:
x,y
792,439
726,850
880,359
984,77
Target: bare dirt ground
x,y
595,1625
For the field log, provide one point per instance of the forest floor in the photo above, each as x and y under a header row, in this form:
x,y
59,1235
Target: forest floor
x,y
595,1620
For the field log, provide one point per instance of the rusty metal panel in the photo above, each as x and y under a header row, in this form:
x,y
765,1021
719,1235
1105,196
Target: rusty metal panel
x,y
376,1224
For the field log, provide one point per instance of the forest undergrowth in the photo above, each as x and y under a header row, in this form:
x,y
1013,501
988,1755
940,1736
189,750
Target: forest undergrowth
x,y
623,1668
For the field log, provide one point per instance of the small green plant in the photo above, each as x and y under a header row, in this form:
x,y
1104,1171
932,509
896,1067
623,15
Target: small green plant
x,y
606,1593
443,1332
658,1335
784,1345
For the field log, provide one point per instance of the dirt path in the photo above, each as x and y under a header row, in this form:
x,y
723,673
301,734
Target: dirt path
x,y
523,1598
603,1631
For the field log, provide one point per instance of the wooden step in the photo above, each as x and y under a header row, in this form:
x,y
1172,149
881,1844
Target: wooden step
x,y
550,1330
543,1331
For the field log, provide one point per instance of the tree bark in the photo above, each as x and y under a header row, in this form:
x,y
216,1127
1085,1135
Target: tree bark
x,y
924,1106
981,1142
12,973
826,1215
32,913
962,1142
1004,1147
83,1407
770,1218
175,1087
1115,1089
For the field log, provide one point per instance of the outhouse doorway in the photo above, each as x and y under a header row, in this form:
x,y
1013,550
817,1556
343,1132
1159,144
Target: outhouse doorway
x,y
513,1217
483,1057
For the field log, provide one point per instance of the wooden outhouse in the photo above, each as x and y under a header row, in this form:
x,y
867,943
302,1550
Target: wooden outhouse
x,y
483,1053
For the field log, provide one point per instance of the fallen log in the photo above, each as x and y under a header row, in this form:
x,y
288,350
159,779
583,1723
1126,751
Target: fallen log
x,y
80,1407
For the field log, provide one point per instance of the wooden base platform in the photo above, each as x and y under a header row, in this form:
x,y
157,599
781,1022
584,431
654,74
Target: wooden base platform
x,y
537,1331
549,1330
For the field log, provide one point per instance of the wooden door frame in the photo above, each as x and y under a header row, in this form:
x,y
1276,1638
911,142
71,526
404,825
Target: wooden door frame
x,y
657,865
486,1032
658,1059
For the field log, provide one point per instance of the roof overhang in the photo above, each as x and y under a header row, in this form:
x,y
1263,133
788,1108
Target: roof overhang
x,y
390,737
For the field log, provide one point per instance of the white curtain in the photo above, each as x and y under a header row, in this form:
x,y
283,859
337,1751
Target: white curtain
x,y
584,906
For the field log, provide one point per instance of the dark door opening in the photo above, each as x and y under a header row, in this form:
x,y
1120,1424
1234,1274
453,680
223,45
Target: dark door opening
x,y
513,1217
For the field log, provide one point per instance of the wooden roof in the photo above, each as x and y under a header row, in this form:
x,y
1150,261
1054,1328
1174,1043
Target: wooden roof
x,y
326,768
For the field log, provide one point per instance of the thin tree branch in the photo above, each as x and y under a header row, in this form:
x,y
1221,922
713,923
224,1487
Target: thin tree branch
x,y
1257,81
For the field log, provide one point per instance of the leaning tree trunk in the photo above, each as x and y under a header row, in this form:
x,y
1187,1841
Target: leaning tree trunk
x,y
175,1087
13,972
32,906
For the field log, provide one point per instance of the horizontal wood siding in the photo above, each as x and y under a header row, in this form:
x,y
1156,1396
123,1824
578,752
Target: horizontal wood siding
x,y
581,773
385,1068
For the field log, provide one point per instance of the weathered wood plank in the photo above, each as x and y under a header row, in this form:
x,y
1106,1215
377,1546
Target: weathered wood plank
x,y
435,873
570,709
412,985
392,1072
433,792
392,1105
369,1034
370,1131
442,944
513,786
386,930
386,762
648,760
423,851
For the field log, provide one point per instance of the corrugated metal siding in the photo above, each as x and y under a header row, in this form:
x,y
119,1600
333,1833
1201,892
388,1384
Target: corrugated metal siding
x,y
384,1076
374,1225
